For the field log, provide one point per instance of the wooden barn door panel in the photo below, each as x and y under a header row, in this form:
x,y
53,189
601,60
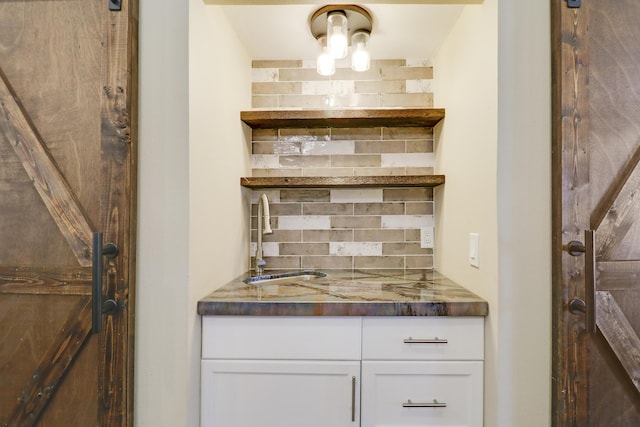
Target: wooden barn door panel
x,y
67,169
597,187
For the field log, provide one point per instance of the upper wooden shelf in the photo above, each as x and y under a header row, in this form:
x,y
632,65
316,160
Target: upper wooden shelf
x,y
391,117
342,181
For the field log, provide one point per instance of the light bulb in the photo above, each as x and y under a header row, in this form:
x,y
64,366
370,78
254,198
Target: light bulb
x,y
337,36
360,57
325,63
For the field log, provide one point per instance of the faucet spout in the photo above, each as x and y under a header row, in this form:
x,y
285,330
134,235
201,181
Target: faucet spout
x,y
264,227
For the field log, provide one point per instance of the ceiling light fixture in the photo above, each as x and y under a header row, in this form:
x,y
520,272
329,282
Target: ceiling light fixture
x,y
336,26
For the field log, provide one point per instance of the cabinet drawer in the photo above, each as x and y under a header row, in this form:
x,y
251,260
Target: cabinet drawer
x,y
423,338
264,337
422,394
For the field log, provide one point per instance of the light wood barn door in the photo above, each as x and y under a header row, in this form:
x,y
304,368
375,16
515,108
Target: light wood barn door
x,y
67,170
596,203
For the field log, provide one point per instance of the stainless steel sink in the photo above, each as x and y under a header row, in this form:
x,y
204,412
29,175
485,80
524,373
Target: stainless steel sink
x,y
282,278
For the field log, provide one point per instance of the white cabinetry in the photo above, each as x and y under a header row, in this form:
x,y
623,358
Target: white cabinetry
x,y
341,371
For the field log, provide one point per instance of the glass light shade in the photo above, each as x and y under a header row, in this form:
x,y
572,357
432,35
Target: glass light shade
x,y
337,35
360,57
325,63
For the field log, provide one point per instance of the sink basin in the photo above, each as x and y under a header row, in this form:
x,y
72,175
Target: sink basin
x,y
293,277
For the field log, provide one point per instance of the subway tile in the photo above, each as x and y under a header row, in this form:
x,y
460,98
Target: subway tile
x,y
305,195
412,235
333,87
299,75
407,159
377,235
262,148
403,248
420,171
419,262
379,146
287,147
356,222
355,248
254,221
281,262
367,262
327,147
284,209
419,208
303,101
405,73
272,195
276,172
393,100
418,62
419,146
356,160
304,161
407,133
407,194
345,73
260,63
405,221
304,134
328,172
327,209
304,249
379,63
265,101
382,86
327,262
264,135
264,74
379,171
308,222
379,208
276,88
268,249
280,236
354,134
356,195
265,161
327,235
419,86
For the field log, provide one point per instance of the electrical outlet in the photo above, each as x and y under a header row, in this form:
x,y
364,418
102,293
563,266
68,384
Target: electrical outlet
x,y
426,237
474,239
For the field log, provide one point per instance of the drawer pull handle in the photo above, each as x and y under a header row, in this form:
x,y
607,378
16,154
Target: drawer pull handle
x,y
353,399
434,404
435,340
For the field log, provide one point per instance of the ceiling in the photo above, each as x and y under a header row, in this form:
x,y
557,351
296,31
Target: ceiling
x,y
274,30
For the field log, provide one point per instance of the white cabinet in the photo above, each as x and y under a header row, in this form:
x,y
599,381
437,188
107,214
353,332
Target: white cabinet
x,y
342,371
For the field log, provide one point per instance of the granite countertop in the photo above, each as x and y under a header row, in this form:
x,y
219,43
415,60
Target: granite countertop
x,y
347,293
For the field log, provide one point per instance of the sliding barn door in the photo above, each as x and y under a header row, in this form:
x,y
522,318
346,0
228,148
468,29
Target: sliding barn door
x,y
597,213
67,178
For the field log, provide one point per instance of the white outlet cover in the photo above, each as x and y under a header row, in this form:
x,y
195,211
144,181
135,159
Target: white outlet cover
x,y
426,237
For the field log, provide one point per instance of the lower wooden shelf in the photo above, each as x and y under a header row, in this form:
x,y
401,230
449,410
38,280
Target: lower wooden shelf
x,y
342,181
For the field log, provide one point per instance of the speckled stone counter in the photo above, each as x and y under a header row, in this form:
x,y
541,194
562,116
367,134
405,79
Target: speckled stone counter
x,y
347,293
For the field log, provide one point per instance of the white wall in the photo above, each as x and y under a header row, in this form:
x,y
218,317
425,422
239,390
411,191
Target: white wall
x,y
493,78
466,85
161,363
219,88
524,213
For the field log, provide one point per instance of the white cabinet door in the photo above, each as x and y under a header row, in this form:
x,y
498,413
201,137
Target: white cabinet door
x,y
415,393
270,393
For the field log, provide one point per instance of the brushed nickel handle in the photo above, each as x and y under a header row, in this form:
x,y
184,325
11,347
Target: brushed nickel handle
x,y
98,307
434,404
353,399
435,340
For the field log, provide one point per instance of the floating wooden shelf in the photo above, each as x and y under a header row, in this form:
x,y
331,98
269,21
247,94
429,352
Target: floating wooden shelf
x,y
342,181
389,117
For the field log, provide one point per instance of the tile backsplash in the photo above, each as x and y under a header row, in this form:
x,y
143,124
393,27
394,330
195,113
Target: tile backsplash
x,y
361,228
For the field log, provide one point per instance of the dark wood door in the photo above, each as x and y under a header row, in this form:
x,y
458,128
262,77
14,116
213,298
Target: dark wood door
x,y
596,77
67,170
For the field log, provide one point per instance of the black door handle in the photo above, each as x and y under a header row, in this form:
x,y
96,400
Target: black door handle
x,y
588,305
98,307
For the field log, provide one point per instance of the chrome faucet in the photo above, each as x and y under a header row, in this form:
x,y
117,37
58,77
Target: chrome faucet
x,y
264,227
